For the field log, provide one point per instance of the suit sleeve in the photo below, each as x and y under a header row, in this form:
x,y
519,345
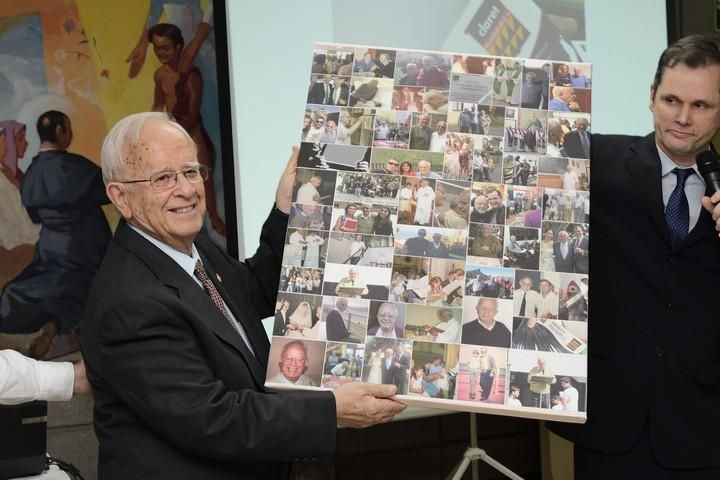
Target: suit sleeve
x,y
149,355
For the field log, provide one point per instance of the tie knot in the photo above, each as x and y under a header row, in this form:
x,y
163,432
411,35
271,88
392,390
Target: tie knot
x,y
682,174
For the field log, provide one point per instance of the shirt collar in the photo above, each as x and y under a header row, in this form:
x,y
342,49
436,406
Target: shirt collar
x,y
185,261
486,327
667,165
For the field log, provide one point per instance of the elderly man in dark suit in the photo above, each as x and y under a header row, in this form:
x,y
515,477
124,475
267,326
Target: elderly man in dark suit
x,y
401,367
563,253
388,366
336,329
175,350
656,263
421,133
576,143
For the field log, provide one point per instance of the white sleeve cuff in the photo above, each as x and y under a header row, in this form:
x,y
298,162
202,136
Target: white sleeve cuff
x,y
55,380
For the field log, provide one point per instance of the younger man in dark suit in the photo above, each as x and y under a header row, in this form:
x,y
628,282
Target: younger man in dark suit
x,y
656,263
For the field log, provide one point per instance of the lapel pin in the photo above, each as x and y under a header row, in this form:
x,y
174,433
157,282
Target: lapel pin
x,y
219,278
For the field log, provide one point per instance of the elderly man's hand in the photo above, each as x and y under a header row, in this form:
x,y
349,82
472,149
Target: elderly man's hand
x,y
283,195
361,405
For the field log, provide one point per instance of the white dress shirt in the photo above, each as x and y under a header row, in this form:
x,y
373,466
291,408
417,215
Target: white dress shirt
x,y
23,379
532,301
694,186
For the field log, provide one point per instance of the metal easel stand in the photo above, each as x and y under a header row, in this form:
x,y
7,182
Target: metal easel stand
x,y
473,454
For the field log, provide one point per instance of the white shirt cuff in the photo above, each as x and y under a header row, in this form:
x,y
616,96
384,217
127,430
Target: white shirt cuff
x,y
55,380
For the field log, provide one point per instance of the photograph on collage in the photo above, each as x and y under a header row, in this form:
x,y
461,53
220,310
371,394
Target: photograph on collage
x,y
573,138
343,364
326,89
300,280
360,249
314,186
433,324
369,92
548,380
488,203
295,361
487,159
522,248
520,169
343,319
524,206
296,314
423,69
355,281
387,361
507,77
485,244
482,374
422,127
549,335
452,204
312,216
492,282
305,248
525,131
392,130
367,188
487,321
430,242
433,371
334,157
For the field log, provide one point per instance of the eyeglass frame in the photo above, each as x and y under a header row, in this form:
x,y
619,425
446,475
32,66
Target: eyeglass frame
x,y
201,169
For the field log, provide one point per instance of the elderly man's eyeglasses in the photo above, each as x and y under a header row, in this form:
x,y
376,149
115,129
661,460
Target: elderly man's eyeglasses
x,y
167,179
291,360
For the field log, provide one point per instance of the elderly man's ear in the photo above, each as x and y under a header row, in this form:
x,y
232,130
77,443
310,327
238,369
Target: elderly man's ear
x,y
118,196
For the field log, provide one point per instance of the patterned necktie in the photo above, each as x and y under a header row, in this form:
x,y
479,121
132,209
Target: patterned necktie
x,y
677,214
210,289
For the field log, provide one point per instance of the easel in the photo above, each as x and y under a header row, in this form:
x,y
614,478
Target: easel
x,y
473,454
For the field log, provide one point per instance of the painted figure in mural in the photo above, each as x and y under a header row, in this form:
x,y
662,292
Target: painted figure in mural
x,y
194,67
16,228
186,15
179,90
63,192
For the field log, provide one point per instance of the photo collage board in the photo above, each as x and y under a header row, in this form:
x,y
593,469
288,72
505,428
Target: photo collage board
x,y
438,237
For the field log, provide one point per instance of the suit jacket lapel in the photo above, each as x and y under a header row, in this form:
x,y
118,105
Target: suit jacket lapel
x,y
193,295
259,344
645,170
644,167
703,229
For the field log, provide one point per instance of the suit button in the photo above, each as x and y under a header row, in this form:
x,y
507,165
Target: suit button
x,y
659,351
